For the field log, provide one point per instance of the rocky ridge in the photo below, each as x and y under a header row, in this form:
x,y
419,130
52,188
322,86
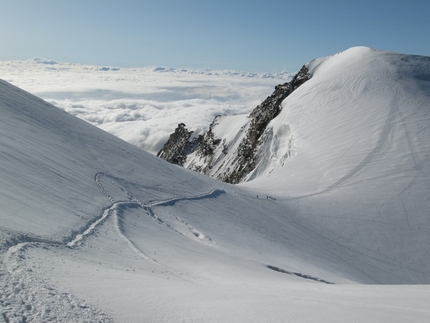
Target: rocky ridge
x,y
230,160
180,144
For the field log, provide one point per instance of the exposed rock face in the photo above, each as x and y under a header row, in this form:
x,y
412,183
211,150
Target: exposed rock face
x,y
206,149
176,149
229,159
259,119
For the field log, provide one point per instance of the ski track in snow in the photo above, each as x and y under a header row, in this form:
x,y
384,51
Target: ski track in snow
x,y
148,205
26,297
118,207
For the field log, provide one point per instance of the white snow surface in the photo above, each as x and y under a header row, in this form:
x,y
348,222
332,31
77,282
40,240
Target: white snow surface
x,y
94,229
142,105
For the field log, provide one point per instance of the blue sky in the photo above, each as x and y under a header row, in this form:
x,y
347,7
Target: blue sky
x,y
260,36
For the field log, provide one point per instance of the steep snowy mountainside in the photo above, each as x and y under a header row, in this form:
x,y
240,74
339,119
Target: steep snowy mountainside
x,y
361,129
359,103
49,163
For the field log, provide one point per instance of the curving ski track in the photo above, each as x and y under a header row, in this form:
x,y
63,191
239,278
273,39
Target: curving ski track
x,y
147,206
26,296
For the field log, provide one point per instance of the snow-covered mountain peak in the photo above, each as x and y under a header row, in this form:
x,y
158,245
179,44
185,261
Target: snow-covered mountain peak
x,y
330,64
352,98
344,92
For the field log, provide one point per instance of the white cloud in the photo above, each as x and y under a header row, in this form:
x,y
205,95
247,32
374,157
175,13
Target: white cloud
x,y
148,124
142,105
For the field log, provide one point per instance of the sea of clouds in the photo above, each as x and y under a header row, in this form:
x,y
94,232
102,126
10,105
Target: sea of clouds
x,y
142,105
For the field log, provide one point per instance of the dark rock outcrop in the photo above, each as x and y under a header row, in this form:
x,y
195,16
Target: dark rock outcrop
x,y
240,162
176,149
259,119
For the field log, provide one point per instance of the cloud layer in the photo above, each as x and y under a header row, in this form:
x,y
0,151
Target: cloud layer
x,y
142,105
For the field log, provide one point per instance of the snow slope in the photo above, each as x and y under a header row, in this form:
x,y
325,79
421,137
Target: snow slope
x,y
95,229
361,131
